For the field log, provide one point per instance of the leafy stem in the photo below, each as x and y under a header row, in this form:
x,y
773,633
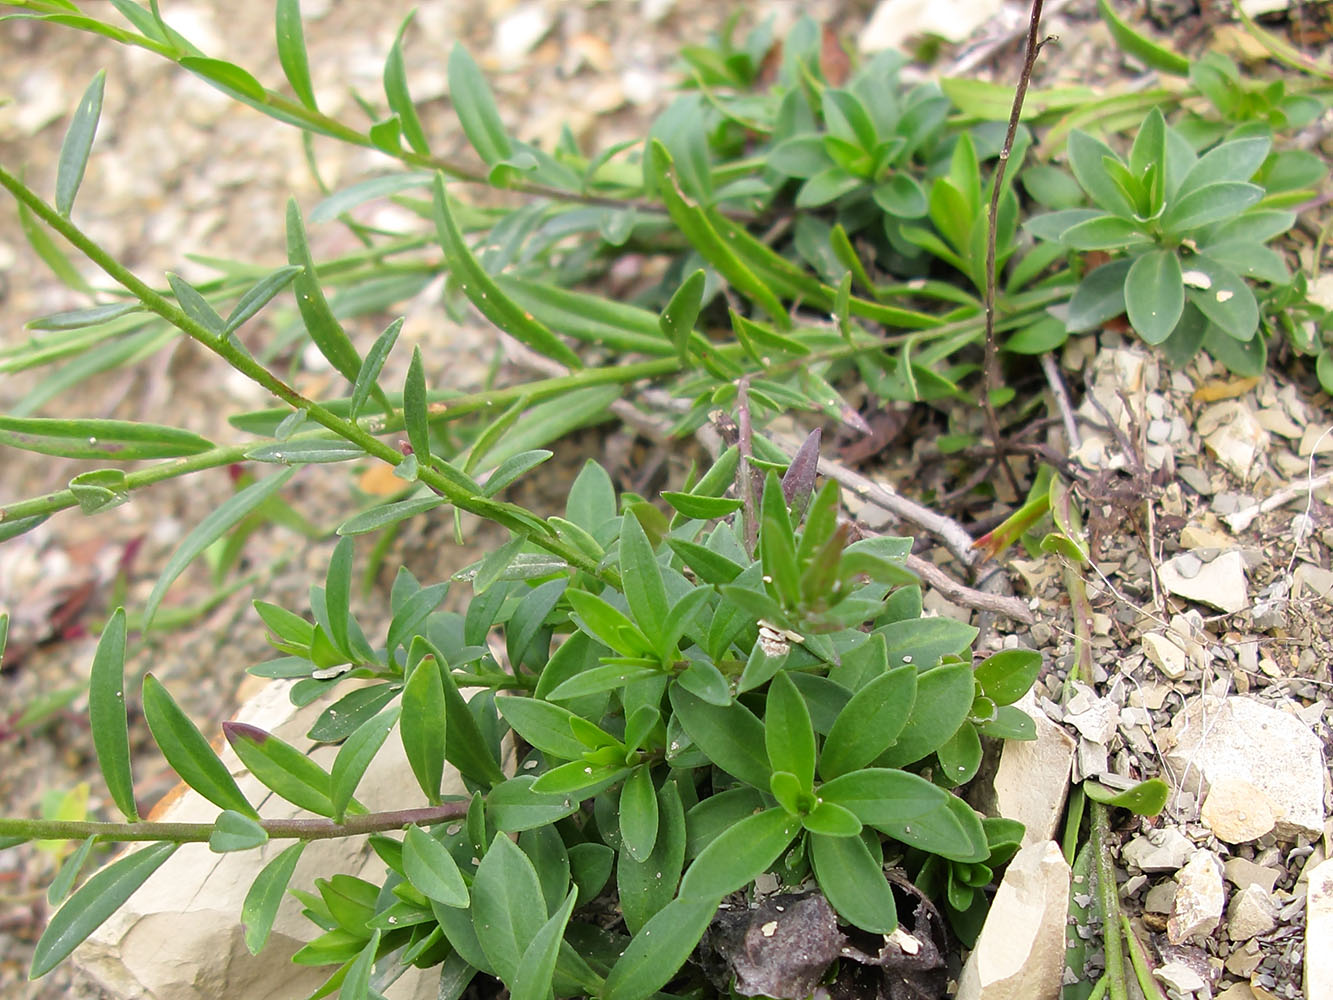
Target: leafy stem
x,y
277,829
240,360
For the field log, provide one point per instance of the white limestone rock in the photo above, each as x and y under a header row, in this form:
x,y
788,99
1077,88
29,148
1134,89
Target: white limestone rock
x,y
1252,912
1163,849
894,21
1236,811
180,936
1319,932
1032,778
1200,896
1218,740
1021,951
1219,584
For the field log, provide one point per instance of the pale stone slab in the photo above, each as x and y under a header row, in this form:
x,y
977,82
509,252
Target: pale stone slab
x,y
1216,740
1219,584
180,936
1032,778
1200,896
1021,951
1319,932
1237,811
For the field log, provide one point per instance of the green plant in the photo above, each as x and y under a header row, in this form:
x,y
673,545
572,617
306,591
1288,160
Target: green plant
x,y
690,700
1191,232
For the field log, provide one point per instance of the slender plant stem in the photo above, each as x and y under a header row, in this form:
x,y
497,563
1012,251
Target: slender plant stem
x,y
277,829
235,356
991,378
1110,904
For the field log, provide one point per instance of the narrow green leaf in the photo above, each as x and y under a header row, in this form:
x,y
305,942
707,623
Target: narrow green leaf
x,y
355,755
732,737
878,795
194,305
512,468
188,752
647,885
338,594
234,832
69,873
694,224
677,320
79,319
400,101
508,909
1154,294
356,984
107,716
259,295
281,767
209,530
642,577
50,253
465,747
854,883
513,805
424,726
414,407
389,513
537,966
227,77
78,143
475,105
431,869
485,294
701,508
788,735
544,725
308,452
869,723
292,52
1145,49
943,700
361,192
325,331
95,901
350,712
739,855
660,949
117,440
638,813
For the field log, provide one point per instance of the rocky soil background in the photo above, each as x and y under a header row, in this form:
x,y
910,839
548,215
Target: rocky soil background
x,y
1213,575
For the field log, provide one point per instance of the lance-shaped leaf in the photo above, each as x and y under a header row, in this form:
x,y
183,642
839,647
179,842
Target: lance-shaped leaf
x,y
414,407
107,716
280,766
508,908
431,869
194,305
677,320
209,530
788,734
78,143
537,967
292,53
642,576
739,855
356,984
258,295
69,872
638,813
486,295
355,755
188,752
854,883
798,483
324,329
367,377
732,737
90,907
423,727
659,949
648,885
266,892
400,101
476,109
119,440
